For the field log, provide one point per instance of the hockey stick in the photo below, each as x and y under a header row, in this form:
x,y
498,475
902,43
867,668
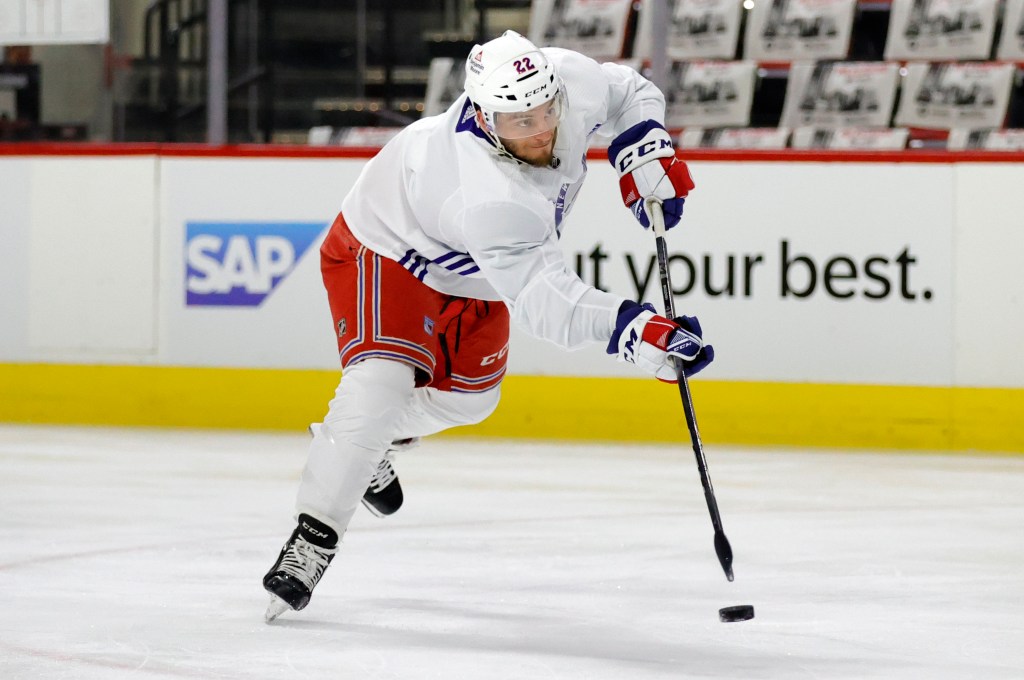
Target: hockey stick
x,y
722,547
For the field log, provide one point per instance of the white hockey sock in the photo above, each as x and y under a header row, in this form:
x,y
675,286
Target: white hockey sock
x,y
431,411
372,399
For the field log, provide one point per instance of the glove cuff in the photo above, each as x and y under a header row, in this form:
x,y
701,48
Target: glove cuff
x,y
628,311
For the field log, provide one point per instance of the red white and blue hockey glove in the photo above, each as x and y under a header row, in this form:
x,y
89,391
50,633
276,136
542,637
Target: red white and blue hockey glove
x,y
647,165
643,338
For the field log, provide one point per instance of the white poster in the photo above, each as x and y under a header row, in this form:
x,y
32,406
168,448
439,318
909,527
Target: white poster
x,y
541,12
875,139
37,22
445,83
940,29
704,28
8,105
785,30
699,29
710,93
362,137
733,138
1011,44
961,139
840,94
369,136
954,95
597,28
324,135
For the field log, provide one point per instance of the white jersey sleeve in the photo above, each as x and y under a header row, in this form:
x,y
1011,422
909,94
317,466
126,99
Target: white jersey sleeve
x,y
632,99
520,256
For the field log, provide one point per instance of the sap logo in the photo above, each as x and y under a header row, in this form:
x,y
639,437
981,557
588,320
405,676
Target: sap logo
x,y
238,264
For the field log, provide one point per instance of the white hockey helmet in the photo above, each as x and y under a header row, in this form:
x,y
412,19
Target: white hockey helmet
x,y
510,75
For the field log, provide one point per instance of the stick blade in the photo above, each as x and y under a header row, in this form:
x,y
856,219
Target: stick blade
x,y
724,552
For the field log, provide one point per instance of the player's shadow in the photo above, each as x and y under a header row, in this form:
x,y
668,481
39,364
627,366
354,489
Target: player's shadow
x,y
549,635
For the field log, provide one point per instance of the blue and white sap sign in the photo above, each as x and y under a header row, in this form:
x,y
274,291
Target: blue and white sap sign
x,y
238,264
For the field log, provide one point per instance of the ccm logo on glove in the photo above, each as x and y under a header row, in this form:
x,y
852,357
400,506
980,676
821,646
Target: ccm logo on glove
x,y
643,338
660,146
647,165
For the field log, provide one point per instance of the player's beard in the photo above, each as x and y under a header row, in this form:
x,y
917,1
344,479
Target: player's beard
x,y
539,156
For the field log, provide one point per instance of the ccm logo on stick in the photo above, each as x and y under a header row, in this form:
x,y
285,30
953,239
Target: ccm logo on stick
x,y
238,264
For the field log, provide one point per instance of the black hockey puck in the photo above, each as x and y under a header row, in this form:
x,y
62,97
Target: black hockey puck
x,y
741,612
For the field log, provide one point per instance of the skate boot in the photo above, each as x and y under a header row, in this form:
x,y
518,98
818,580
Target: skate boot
x,y
383,496
299,567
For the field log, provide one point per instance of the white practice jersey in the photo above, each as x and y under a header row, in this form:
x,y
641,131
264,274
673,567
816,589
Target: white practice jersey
x,y
465,221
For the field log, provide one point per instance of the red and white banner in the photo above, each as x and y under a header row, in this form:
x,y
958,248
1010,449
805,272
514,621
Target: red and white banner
x,y
785,30
733,138
840,94
710,93
989,140
1011,44
949,96
875,139
597,28
940,29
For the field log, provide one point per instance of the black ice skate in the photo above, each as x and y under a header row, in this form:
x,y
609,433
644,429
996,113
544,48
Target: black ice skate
x,y
383,496
299,567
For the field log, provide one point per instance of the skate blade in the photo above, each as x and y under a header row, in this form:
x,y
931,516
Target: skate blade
x,y
373,511
276,607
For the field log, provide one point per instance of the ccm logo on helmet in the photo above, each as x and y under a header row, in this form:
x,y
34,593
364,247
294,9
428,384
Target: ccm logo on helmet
x,y
641,151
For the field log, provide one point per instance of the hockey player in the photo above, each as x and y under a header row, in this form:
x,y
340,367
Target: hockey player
x,y
451,230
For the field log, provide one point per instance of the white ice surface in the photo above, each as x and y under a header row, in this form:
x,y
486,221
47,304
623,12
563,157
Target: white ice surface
x,y
139,553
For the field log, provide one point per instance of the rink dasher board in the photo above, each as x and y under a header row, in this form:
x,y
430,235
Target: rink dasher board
x,y
892,315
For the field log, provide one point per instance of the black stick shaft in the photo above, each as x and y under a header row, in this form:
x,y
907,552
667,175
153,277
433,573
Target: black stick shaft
x,y
722,547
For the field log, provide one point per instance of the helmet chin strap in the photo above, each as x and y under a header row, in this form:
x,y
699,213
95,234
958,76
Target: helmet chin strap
x,y
500,149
